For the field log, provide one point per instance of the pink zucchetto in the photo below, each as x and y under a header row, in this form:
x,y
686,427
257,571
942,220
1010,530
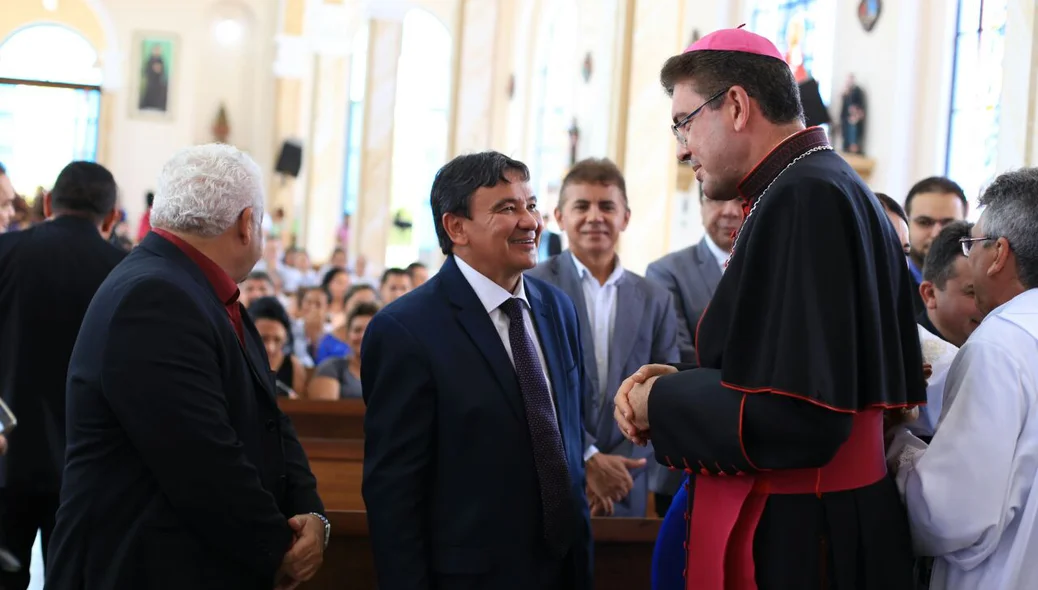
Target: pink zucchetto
x,y
737,39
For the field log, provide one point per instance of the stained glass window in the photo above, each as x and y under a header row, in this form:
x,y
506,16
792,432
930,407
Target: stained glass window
x,y
974,116
803,31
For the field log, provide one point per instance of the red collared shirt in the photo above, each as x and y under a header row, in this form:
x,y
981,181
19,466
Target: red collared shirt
x,y
225,287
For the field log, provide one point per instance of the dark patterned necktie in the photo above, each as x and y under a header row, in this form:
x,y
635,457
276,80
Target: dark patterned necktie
x,y
549,456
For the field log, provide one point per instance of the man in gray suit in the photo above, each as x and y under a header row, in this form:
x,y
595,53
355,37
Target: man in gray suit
x,y
625,322
691,275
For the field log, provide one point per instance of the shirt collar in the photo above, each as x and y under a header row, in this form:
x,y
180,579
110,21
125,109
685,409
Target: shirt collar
x,y
720,255
776,161
225,287
584,273
490,294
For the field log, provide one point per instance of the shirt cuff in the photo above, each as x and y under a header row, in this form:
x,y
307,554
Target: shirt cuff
x,y
590,452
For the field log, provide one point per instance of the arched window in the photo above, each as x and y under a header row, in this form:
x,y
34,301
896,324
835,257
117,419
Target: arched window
x,y
420,128
554,95
50,100
973,121
355,120
803,31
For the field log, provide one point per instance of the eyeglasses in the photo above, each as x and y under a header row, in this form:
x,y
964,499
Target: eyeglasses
x,y
676,127
967,243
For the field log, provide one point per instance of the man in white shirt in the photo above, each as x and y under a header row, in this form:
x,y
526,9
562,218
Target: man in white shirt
x,y
969,494
625,322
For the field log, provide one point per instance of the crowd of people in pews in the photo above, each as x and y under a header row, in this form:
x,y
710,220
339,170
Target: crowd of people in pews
x,y
913,323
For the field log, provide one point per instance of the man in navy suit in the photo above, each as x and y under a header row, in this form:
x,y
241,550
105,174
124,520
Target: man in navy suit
x,y
180,471
473,454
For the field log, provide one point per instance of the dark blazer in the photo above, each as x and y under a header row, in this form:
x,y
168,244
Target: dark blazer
x,y
554,243
48,275
181,471
645,332
691,275
449,478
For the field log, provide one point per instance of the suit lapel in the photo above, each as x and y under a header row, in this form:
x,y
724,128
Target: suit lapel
x,y
707,264
630,308
569,281
476,322
255,356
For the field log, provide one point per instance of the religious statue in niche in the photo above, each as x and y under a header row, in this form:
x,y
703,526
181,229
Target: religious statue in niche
x,y
221,126
868,13
574,141
587,68
852,117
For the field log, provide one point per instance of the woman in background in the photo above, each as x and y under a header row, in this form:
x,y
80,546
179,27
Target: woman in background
x,y
275,329
336,283
339,378
335,344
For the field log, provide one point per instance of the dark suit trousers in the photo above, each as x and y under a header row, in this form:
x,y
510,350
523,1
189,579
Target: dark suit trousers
x,y
22,514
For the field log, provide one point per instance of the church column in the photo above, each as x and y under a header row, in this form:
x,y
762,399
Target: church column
x,y
477,75
292,84
648,152
372,219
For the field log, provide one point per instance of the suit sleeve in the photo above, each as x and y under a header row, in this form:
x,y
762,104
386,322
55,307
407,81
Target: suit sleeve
x,y
161,378
698,423
301,485
686,347
399,438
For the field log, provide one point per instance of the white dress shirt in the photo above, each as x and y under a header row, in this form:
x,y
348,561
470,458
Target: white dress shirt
x,y
600,300
492,295
720,255
972,495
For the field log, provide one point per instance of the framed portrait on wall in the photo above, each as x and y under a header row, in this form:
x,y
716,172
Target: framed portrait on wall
x,y
153,76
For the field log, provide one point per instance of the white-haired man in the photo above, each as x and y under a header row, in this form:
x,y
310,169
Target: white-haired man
x,y
180,471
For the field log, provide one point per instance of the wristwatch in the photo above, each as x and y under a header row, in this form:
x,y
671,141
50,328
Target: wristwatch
x,y
327,527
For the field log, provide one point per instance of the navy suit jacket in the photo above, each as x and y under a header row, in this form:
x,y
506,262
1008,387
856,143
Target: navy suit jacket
x,y
449,478
180,472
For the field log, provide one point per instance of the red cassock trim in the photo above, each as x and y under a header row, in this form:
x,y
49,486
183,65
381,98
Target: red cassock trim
x,y
727,510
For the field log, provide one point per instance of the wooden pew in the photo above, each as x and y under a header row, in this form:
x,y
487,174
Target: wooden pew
x,y
623,554
343,419
332,434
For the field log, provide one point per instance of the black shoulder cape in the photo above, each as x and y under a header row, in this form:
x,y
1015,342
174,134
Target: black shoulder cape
x,y
816,301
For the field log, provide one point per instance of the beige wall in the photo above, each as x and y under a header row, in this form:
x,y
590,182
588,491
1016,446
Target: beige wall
x,y
204,76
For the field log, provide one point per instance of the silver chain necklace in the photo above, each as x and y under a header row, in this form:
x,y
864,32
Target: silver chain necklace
x,y
765,191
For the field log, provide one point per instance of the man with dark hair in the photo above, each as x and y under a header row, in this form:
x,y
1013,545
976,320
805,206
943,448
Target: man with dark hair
x,y
625,321
394,284
418,272
7,196
931,204
808,338
970,494
951,316
257,284
479,372
48,275
947,289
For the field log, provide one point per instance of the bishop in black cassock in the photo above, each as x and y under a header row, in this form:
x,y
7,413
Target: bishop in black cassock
x,y
809,337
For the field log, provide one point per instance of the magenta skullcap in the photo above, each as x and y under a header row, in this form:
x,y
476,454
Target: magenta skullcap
x,y
737,39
